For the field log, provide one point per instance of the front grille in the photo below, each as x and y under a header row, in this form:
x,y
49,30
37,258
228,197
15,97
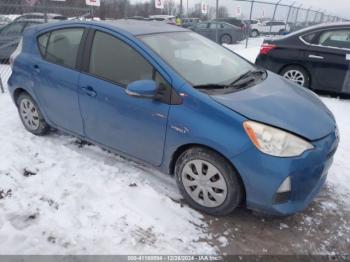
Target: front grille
x,y
282,197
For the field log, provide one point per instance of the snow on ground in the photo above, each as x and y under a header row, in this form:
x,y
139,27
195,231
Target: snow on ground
x,y
60,197
251,52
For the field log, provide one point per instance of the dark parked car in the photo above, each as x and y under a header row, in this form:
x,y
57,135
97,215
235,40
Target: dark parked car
x,y
166,96
243,25
317,57
227,34
10,36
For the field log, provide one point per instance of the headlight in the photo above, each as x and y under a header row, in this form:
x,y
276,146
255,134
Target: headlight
x,y
274,141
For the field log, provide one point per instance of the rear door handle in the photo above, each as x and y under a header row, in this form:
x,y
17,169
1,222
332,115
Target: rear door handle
x,y
36,68
316,57
89,91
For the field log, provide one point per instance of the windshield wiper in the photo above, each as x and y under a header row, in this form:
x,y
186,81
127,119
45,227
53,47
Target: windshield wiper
x,y
243,79
247,77
211,86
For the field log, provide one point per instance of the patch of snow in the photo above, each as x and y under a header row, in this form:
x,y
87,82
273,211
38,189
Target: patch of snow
x,y
249,53
223,241
60,198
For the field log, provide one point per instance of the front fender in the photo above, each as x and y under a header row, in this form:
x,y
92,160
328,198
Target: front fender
x,y
202,121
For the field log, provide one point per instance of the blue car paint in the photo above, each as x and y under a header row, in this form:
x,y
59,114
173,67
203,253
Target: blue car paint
x,y
308,173
282,107
214,122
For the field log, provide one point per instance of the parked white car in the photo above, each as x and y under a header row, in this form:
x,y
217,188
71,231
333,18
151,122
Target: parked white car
x,y
170,19
266,27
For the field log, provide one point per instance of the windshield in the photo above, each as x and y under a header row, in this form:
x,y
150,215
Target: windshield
x,y
197,59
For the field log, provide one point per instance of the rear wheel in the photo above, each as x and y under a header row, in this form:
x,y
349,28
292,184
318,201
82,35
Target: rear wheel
x,y
226,39
31,116
254,33
208,182
296,74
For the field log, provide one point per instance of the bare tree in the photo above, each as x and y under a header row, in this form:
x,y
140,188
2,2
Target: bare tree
x,y
170,7
222,12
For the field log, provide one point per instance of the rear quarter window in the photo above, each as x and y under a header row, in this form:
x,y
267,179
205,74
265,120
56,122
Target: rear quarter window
x,y
42,43
61,46
309,38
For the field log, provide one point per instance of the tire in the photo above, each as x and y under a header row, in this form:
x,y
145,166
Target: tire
x,y
254,33
282,32
296,74
31,116
217,201
226,39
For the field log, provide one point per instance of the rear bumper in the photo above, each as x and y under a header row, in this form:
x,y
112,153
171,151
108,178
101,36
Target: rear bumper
x,y
262,175
269,64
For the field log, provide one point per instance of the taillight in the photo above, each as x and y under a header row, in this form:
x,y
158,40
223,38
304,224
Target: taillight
x,y
16,52
266,48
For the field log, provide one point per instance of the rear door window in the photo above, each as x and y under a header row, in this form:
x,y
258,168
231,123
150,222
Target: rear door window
x,y
42,43
335,38
63,46
12,29
202,26
215,25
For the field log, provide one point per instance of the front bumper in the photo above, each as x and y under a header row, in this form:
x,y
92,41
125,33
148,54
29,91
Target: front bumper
x,y
263,174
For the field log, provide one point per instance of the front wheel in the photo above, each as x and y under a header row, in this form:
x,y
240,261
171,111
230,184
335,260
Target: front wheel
x,y
296,74
208,182
226,39
31,116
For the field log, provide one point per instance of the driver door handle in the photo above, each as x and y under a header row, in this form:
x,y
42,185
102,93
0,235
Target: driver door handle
x,y
36,68
89,91
316,57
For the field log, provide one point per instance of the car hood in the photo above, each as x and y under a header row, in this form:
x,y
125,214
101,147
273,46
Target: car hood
x,y
281,103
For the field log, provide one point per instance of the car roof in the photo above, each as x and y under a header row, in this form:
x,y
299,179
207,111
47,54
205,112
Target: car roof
x,y
228,18
39,21
319,27
41,14
134,27
161,16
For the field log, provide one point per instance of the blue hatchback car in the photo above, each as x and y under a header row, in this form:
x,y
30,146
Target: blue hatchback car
x,y
230,132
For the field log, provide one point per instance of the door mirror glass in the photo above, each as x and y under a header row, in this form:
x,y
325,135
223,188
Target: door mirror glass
x,y
142,89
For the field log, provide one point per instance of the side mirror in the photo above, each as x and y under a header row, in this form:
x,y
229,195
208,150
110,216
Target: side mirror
x,y
142,89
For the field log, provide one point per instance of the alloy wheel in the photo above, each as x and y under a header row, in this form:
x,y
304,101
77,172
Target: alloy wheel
x,y
296,76
225,39
29,114
204,183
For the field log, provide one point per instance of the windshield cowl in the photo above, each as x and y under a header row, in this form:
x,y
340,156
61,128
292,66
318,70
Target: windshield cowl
x,y
246,80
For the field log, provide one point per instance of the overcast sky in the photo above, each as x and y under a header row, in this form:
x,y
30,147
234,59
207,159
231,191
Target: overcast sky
x,y
334,7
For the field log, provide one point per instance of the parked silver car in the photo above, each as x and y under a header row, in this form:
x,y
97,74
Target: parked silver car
x,y
10,36
49,16
221,32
